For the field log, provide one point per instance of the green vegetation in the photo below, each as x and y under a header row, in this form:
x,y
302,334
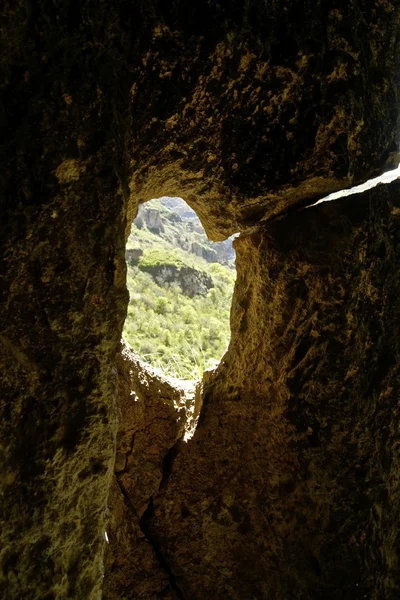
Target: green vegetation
x,y
180,335
177,334
158,257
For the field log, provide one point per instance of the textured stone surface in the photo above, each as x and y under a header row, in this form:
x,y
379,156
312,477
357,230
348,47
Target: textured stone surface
x,y
153,416
289,487
192,281
245,112
133,255
59,331
63,301
276,104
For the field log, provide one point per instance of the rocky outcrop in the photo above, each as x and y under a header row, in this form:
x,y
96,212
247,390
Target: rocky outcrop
x,y
177,225
191,281
133,256
151,218
290,486
207,253
223,252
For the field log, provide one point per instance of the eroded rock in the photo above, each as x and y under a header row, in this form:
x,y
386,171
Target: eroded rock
x,y
289,487
275,106
151,218
192,281
154,415
133,255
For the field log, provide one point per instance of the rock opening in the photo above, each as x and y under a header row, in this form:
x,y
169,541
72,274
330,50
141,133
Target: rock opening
x,y
289,486
385,178
180,285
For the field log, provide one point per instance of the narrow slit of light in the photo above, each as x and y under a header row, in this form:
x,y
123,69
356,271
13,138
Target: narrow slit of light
x,y
387,177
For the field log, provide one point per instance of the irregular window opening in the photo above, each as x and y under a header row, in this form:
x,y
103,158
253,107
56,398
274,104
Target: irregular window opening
x,y
180,286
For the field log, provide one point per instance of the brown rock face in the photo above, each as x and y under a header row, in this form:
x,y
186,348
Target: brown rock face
x,y
275,105
288,488
248,111
153,416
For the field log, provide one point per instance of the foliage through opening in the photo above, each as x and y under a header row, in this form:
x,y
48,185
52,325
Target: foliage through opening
x,y
180,286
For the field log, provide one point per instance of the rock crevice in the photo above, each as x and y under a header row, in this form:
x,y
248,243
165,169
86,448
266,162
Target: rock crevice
x,y
154,414
144,526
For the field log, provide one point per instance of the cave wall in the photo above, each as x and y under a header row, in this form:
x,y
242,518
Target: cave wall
x,y
277,103
154,416
63,302
289,487
245,112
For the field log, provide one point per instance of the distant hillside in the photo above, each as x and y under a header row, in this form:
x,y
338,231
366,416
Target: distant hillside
x,y
176,223
180,287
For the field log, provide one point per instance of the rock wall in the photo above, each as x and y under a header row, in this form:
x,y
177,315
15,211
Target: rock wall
x,y
63,301
133,255
207,253
191,281
151,218
248,114
276,105
288,488
153,416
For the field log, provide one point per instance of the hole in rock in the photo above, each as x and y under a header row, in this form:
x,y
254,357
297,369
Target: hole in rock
x,y
180,286
385,178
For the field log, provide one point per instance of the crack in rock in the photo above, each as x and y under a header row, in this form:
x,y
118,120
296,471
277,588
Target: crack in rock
x,y
155,414
145,527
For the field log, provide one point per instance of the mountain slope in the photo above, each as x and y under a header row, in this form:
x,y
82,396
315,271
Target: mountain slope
x,y
178,314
